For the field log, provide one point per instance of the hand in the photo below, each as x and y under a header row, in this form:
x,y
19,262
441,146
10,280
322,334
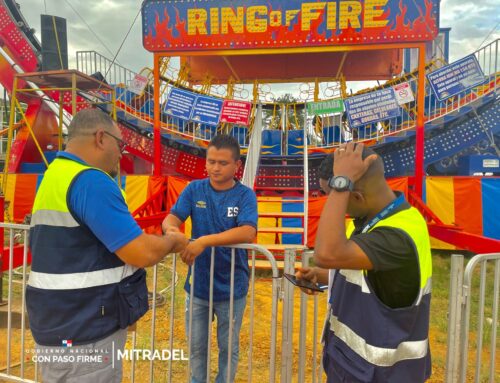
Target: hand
x,y
308,274
171,229
347,161
179,239
193,249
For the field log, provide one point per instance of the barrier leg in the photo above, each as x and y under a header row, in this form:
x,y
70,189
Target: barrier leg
x,y
454,317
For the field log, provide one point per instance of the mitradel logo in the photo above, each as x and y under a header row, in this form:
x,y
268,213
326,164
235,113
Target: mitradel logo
x,y
149,355
75,354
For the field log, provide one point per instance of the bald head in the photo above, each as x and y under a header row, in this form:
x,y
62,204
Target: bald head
x,y
94,137
87,121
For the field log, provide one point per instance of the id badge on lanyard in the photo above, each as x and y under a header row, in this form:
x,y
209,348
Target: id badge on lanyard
x,y
384,213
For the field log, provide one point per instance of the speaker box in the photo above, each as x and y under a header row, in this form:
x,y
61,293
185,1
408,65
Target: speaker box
x,y
54,43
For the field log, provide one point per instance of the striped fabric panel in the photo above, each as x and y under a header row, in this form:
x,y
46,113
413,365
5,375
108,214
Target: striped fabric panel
x,y
441,200
491,207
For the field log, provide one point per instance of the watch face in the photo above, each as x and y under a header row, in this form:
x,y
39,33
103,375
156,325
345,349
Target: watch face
x,y
340,182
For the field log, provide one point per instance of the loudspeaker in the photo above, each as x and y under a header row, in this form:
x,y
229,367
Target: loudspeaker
x,y
99,77
54,43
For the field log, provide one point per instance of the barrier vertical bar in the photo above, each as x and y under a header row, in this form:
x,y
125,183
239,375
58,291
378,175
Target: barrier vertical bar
x,y
480,320
494,322
9,298
231,317
23,299
210,313
454,317
190,320
316,371
252,302
303,325
172,318
153,323
134,342
287,321
274,318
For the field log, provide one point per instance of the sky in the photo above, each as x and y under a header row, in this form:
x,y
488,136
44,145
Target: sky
x,y
110,20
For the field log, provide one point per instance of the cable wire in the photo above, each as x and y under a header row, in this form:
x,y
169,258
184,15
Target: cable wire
x,y
489,34
89,27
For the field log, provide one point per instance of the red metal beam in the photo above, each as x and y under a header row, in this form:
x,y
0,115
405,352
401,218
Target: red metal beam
x,y
463,240
419,144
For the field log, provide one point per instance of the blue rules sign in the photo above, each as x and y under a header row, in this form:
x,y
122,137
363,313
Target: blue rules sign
x,y
207,110
372,107
180,103
455,78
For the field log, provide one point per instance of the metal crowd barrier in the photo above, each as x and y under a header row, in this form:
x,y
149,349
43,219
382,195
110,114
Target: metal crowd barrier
x,y
16,364
467,288
309,345
15,371
265,319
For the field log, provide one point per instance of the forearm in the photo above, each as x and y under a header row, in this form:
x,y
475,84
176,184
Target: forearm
x,y
170,221
148,249
331,235
242,234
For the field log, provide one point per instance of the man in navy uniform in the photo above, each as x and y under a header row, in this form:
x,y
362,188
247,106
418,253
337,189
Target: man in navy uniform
x,y
380,272
86,283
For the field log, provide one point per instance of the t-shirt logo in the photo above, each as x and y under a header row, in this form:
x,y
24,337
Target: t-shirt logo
x,y
201,204
232,211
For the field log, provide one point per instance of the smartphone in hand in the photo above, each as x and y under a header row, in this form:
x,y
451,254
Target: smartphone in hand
x,y
304,283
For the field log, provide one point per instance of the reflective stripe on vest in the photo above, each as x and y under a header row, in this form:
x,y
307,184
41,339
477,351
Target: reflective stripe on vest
x,y
51,210
73,291
379,356
53,218
80,280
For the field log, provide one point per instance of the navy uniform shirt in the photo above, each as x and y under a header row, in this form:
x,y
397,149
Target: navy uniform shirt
x,y
213,212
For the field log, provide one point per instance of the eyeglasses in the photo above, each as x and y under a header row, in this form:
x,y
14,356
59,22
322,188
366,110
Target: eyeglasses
x,y
121,144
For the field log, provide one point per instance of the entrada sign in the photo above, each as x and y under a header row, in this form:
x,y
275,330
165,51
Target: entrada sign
x,y
200,25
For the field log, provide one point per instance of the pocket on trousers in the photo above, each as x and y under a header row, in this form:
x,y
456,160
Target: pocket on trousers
x,y
133,298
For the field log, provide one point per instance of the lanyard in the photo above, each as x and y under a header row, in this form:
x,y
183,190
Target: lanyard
x,y
380,216
384,212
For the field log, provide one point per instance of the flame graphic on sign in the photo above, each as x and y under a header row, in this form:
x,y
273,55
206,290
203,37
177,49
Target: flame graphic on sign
x,y
420,26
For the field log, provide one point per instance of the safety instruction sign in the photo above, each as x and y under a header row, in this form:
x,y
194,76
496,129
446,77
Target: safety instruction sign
x,y
457,77
236,112
207,110
180,103
372,107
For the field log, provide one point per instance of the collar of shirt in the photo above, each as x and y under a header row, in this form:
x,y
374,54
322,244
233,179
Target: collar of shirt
x,y
70,156
360,223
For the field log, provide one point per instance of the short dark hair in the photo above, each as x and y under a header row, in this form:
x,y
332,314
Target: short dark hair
x,y
225,141
89,120
326,166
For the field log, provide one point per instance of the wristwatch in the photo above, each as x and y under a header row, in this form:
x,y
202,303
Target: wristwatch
x,y
341,184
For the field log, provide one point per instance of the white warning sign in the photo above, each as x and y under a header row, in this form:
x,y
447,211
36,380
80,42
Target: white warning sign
x,y
403,93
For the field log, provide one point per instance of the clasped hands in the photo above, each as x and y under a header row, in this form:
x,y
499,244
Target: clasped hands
x,y
189,250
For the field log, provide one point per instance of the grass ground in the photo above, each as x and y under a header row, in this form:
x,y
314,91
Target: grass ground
x,y
258,365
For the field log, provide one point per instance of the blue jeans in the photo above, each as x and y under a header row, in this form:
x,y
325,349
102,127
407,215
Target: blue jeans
x,y
199,337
